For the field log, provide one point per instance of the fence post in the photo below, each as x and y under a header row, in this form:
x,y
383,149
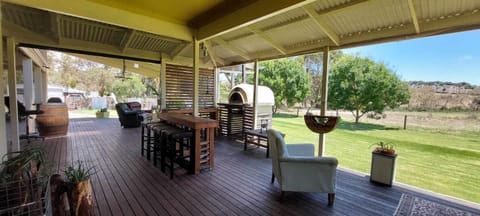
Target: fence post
x,y
405,122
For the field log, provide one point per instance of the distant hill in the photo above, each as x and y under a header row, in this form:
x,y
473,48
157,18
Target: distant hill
x,y
443,96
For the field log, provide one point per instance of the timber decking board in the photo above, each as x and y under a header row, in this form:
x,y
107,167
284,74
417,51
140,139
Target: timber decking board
x,y
128,184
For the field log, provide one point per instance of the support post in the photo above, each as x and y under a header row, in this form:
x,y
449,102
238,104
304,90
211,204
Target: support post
x,y
37,84
196,73
255,94
323,110
244,75
12,89
163,83
216,88
27,69
3,123
44,86
405,123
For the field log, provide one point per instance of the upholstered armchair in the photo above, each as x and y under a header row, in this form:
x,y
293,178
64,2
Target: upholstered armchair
x,y
296,167
127,116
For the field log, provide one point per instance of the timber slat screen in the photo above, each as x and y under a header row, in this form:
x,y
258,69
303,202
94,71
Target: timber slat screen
x,y
179,94
234,119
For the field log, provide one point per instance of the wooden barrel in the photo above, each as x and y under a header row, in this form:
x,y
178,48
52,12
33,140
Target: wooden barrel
x,y
54,120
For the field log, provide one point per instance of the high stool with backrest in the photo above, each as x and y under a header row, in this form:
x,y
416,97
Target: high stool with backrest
x,y
147,139
158,140
171,152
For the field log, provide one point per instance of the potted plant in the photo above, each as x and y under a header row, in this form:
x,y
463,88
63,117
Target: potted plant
x,y
23,180
102,113
79,189
383,163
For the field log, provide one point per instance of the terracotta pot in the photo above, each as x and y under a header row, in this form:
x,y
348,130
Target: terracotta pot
x,y
81,198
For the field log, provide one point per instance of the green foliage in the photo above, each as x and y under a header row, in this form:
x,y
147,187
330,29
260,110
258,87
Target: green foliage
x,y
314,65
360,85
78,173
287,79
384,147
128,88
19,162
103,110
153,90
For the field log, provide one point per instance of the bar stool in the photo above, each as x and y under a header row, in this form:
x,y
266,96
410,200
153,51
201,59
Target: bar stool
x,y
147,137
158,140
170,151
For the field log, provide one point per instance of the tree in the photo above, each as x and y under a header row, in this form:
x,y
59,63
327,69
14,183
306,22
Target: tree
x,y
128,88
360,85
314,66
287,79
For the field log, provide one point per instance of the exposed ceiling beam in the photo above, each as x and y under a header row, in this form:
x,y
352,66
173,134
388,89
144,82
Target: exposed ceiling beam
x,y
234,49
55,27
36,55
213,55
179,49
252,13
320,22
268,39
32,39
413,14
127,38
340,7
306,17
145,69
99,12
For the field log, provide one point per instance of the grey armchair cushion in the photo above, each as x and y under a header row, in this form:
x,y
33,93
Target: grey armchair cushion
x,y
297,169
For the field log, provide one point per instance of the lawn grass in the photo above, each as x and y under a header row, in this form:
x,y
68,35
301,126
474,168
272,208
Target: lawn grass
x,y
448,163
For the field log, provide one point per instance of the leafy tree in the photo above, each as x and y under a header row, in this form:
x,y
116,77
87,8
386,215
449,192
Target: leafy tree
x,y
128,88
360,85
314,66
287,79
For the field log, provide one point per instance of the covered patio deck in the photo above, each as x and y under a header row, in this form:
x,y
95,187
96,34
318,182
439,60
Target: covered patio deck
x,y
128,184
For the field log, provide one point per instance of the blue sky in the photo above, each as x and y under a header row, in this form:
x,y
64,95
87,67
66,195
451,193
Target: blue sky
x,y
451,57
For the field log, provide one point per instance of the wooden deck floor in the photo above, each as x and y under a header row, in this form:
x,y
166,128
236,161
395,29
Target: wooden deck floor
x,y
127,184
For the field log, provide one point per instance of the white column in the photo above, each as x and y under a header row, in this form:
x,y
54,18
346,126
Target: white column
x,y
196,73
3,125
44,87
12,89
255,94
163,83
27,68
244,75
215,89
37,85
323,110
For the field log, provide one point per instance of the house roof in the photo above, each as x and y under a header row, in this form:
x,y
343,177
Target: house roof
x,y
230,32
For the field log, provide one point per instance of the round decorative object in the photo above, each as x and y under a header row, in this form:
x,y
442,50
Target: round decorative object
x,y
321,124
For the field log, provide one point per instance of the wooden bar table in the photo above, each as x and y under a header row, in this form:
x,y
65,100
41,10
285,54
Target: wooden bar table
x,y
196,124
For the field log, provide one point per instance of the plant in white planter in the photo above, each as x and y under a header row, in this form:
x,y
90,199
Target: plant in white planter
x,y
383,163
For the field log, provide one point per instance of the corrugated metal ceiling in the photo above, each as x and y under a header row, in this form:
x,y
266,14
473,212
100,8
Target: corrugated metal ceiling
x,y
334,23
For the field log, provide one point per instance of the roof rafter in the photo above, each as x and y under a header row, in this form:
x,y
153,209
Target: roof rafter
x,y
234,49
179,49
55,27
127,38
252,13
102,13
212,54
413,14
268,39
320,22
